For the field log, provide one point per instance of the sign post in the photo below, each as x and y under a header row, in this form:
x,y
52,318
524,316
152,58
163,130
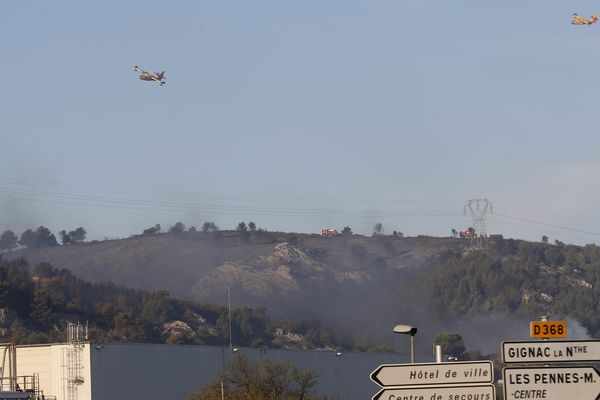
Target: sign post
x,y
551,383
436,381
454,373
548,329
551,351
481,392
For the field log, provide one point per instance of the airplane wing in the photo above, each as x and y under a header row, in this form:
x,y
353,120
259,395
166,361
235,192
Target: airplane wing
x,y
579,20
140,70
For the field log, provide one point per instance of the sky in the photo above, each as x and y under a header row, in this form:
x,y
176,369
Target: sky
x,y
301,116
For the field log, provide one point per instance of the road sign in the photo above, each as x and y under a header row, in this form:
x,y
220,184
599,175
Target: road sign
x,y
434,373
551,383
551,351
548,329
481,392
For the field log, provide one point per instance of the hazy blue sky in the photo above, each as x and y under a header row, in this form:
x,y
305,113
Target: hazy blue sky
x,y
301,115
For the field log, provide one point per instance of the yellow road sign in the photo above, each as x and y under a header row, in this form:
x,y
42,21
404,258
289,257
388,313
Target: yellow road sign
x,y
548,329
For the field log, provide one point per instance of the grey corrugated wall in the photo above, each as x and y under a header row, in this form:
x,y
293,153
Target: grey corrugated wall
x,y
146,371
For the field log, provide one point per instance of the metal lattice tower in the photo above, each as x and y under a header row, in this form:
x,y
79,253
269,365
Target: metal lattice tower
x,y
478,209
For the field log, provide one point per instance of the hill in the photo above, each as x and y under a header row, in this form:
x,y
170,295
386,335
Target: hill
x,y
293,275
37,306
358,285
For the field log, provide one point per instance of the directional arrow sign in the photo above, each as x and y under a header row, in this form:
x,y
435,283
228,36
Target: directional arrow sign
x,y
434,373
551,383
482,392
551,351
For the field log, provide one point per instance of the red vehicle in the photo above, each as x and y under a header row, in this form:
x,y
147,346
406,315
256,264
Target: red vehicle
x,y
329,232
467,234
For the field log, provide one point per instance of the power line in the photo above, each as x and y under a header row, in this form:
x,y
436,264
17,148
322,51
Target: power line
x,y
547,224
121,191
557,234
545,214
166,207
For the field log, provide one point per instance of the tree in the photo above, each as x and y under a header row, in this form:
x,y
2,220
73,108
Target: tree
x,y
454,233
44,270
27,238
8,240
378,229
41,237
78,235
209,227
452,344
544,239
265,380
251,226
192,229
179,227
65,238
44,237
241,227
157,307
347,231
41,311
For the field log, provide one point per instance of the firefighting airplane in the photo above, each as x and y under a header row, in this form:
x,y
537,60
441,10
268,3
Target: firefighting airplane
x,y
579,20
147,76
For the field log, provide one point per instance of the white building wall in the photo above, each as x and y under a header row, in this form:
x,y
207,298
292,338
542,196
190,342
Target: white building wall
x,y
36,360
49,362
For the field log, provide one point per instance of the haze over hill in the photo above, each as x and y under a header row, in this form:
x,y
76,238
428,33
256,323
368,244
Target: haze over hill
x,y
332,278
358,285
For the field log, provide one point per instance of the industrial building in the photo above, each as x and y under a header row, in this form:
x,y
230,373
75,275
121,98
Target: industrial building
x,y
87,371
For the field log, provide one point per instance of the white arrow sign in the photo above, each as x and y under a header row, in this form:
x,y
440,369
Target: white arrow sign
x,y
551,383
483,392
434,373
551,351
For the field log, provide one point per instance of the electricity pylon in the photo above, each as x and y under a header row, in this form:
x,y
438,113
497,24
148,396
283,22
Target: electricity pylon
x,y
478,208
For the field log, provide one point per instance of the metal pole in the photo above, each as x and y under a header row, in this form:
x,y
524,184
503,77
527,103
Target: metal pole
x,y
223,375
14,366
544,318
412,349
229,313
438,353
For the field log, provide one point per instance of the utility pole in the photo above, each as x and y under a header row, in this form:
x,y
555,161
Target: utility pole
x,y
223,376
478,209
230,343
229,314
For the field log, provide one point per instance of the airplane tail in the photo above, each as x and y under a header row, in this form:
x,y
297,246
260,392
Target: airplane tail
x,y
161,74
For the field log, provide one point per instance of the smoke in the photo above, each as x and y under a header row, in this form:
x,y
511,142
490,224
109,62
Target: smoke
x,y
17,216
576,331
486,332
391,293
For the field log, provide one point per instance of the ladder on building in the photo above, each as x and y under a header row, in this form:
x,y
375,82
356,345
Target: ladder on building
x,y
73,368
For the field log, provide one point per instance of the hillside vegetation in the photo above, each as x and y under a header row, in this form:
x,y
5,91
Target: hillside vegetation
x,y
518,276
359,286
35,307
